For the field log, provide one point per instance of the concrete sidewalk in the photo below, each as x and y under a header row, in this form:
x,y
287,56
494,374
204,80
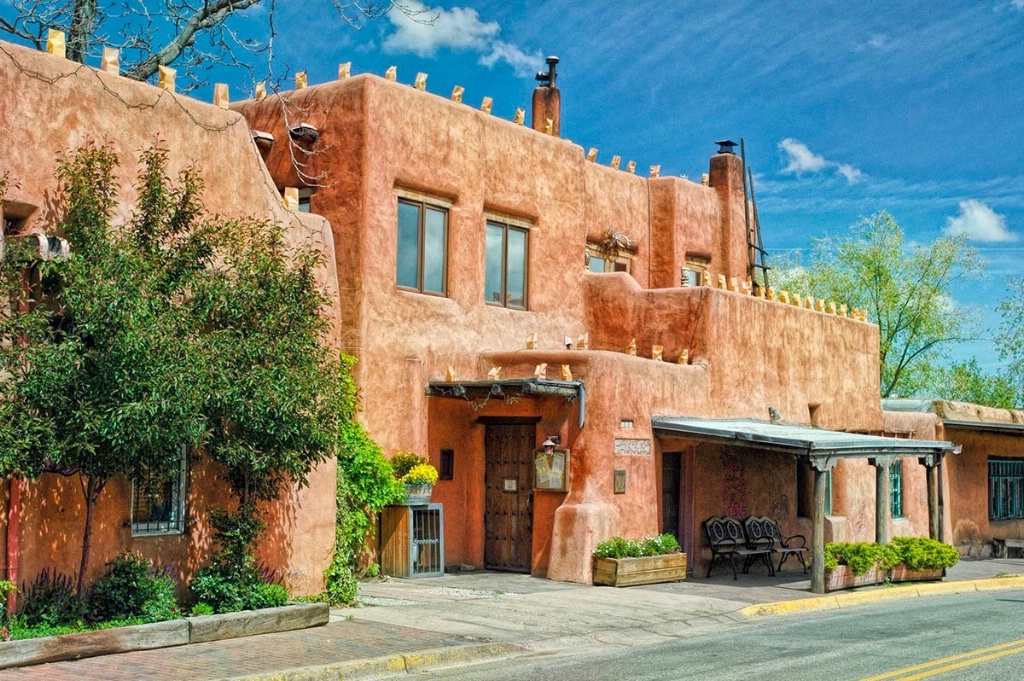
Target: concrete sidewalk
x,y
409,624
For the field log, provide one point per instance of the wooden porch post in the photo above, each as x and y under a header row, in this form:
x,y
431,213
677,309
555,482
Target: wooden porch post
x,y
882,508
931,465
820,466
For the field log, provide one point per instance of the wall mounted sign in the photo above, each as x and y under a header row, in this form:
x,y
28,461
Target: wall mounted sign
x,y
625,446
550,471
620,481
510,485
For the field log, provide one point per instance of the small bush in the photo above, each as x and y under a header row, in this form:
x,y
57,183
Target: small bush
x,y
860,556
225,591
201,609
129,588
403,462
617,547
922,553
50,600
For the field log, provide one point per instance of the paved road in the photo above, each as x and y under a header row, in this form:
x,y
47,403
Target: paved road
x,y
969,636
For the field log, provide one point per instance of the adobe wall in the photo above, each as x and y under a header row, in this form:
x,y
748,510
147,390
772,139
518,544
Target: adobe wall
x,y
60,105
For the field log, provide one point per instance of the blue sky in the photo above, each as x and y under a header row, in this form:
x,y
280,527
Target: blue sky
x,y
847,108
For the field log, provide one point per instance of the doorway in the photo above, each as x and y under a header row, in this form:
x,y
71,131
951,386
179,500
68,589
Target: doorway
x,y
677,497
508,504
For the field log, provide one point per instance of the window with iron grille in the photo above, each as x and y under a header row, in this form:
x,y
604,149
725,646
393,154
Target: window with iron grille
x,y
158,504
896,489
1005,489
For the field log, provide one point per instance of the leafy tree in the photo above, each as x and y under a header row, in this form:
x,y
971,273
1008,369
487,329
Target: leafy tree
x,y
966,381
1010,337
193,35
905,289
96,365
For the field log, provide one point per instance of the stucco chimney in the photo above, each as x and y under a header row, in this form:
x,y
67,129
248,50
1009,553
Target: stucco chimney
x,y
547,102
726,178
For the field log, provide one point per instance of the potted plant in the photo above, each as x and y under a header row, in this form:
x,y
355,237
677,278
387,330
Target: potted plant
x,y
626,562
921,559
416,475
857,564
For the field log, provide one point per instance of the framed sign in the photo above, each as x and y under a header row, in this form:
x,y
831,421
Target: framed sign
x,y
550,470
510,485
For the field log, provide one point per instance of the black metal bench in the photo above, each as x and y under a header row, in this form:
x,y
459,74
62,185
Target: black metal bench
x,y
764,531
1003,546
728,542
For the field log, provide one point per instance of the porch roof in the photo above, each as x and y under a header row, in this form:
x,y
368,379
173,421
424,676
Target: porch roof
x,y
795,438
512,387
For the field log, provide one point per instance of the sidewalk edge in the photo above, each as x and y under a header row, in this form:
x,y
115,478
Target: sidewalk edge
x,y
845,600
390,664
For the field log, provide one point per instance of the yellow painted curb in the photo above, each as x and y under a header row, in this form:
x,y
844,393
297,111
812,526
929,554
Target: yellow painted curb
x,y
846,600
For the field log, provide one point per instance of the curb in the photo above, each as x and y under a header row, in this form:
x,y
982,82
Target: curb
x,y
851,599
391,664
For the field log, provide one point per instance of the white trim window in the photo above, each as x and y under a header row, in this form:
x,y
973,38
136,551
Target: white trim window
x,y
158,506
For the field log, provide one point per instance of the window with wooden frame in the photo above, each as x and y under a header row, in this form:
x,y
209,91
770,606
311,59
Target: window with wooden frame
x,y
598,259
158,503
422,247
692,273
505,277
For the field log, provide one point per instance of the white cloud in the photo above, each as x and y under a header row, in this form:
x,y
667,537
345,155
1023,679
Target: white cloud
x,y
979,222
1018,4
800,159
459,28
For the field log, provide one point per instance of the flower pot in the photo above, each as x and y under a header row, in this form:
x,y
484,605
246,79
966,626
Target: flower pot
x,y
418,495
670,567
900,573
843,578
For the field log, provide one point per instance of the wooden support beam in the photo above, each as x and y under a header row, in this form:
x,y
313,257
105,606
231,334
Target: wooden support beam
x,y
934,521
882,465
818,533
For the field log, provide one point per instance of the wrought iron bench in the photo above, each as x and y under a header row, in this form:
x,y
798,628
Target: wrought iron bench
x,y
728,542
764,531
1003,546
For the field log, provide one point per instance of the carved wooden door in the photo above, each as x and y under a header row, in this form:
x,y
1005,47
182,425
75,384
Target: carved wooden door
x,y
508,514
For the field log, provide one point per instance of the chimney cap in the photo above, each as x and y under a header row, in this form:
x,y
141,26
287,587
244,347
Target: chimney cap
x,y
725,146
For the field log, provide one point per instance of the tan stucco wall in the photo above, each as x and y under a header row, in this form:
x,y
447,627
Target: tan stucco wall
x,y
60,105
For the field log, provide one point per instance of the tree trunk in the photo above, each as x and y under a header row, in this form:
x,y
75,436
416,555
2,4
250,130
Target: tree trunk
x,y
91,489
83,25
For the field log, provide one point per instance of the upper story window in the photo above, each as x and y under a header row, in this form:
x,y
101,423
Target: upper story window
x,y
693,271
422,246
507,252
158,505
600,260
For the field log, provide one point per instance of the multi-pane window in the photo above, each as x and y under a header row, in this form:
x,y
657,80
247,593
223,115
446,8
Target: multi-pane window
x,y
896,489
158,503
1005,489
598,260
422,247
505,277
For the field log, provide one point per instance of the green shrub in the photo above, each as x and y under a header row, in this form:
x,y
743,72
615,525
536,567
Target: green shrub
x,y
50,600
860,556
922,553
201,609
129,588
617,547
403,462
226,591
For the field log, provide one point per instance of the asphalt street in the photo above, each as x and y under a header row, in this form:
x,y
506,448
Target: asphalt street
x,y
963,636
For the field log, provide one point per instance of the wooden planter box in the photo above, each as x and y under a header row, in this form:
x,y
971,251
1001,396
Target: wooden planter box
x,y
843,578
646,570
900,573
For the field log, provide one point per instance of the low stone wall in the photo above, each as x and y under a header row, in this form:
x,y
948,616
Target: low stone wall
x,y
162,634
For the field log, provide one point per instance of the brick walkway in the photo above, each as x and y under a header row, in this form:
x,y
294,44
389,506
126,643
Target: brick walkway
x,y
335,642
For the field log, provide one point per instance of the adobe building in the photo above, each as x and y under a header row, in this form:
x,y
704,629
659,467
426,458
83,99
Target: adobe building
x,y
982,486
500,288
60,106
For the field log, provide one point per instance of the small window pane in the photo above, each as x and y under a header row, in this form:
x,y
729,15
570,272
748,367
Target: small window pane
x,y
515,278
596,264
408,274
495,262
433,251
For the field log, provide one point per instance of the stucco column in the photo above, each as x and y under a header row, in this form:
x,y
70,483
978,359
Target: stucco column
x,y
820,466
882,508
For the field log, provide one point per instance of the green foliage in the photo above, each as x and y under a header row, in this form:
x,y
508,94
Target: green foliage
x,y
403,462
50,600
860,556
922,553
129,588
904,288
617,547
202,608
966,381
224,591
1010,338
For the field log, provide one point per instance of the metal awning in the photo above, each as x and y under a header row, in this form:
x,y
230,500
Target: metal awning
x,y
512,387
795,439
